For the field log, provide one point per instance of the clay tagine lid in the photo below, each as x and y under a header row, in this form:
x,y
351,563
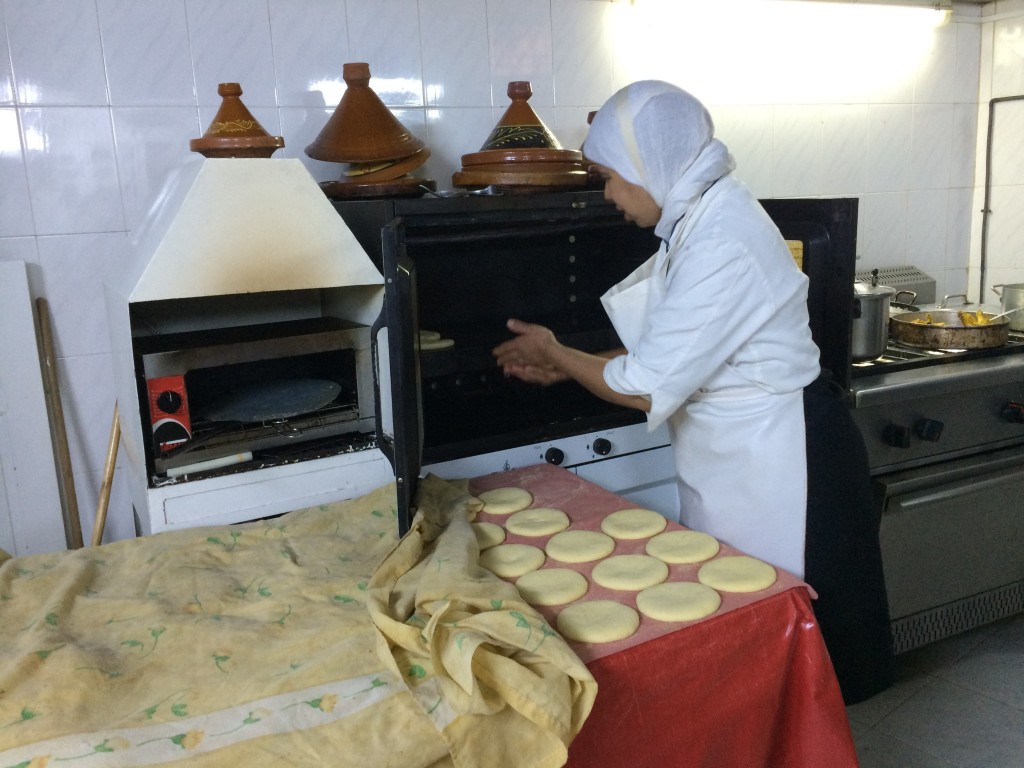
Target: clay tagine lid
x,y
520,127
234,132
521,152
362,129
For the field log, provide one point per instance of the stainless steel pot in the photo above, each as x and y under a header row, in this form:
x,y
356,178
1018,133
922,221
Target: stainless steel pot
x,y
1012,297
870,330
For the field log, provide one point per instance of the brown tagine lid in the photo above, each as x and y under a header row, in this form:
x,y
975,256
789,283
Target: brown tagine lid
x,y
362,129
234,132
521,153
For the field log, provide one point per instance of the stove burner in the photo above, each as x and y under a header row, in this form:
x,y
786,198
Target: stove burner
x,y
903,357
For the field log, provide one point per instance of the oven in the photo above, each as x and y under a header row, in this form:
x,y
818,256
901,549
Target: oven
x,y
457,267
944,431
243,327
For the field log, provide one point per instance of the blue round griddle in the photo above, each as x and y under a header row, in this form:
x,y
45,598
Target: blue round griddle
x,y
273,400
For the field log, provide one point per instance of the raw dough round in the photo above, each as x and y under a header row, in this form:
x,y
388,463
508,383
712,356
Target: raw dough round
x,y
428,345
505,501
579,546
598,621
552,586
740,573
678,601
539,521
511,560
633,523
488,534
683,547
630,572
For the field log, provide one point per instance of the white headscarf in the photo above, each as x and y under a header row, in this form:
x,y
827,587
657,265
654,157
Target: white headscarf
x,y
661,138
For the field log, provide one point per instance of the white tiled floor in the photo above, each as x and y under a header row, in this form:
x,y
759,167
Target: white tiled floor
x,y
958,703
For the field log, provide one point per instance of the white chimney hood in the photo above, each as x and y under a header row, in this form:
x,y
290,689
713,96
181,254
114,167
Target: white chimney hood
x,y
242,225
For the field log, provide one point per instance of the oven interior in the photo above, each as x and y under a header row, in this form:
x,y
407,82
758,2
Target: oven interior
x,y
282,387
469,283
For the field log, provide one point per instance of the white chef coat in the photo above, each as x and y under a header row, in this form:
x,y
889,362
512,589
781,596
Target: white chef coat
x,y
717,334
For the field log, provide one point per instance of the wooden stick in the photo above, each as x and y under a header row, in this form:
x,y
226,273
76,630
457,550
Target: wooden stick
x,y
51,388
108,479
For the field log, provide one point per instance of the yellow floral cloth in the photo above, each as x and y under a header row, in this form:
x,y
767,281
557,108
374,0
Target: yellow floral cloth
x,y
260,645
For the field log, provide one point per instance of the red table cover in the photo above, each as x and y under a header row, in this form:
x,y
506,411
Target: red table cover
x,y
750,686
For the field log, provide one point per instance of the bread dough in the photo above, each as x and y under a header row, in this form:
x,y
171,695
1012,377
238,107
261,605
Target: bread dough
x,y
629,572
633,523
488,534
740,573
678,601
511,560
539,521
579,546
429,335
428,345
683,547
552,586
505,501
598,621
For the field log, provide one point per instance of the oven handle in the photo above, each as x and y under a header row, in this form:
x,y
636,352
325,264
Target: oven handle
x,y
957,489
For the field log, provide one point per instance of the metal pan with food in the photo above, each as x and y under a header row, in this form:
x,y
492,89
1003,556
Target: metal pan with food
x,y
943,328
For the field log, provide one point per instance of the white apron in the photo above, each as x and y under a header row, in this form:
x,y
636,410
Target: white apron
x,y
740,453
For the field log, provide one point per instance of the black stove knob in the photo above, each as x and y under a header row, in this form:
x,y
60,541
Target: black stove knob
x,y
602,446
1014,412
928,429
896,436
554,456
168,401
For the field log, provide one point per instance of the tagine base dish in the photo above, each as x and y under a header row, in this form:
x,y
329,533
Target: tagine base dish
x,y
406,186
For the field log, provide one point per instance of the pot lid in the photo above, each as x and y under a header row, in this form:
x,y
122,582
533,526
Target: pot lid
x,y
863,289
872,288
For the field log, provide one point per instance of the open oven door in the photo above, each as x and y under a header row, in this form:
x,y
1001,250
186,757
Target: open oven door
x,y
396,364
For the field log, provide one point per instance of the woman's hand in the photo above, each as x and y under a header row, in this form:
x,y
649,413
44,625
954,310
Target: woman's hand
x,y
531,355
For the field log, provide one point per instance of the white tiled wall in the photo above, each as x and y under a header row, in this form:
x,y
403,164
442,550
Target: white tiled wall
x,y
99,99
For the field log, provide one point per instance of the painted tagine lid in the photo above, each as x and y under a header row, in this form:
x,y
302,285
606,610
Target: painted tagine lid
x,y
521,152
234,132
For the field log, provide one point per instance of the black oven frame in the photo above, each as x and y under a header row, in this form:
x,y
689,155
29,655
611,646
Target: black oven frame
x,y
393,230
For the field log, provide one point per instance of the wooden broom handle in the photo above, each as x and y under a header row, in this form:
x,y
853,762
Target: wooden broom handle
x,y
108,479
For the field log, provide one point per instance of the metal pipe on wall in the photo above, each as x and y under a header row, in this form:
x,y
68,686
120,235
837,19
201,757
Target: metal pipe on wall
x,y
986,209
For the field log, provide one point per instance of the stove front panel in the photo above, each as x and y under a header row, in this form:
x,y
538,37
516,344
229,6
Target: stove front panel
x,y
933,414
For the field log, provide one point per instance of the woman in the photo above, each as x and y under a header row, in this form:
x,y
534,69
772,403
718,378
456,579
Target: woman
x,y
718,345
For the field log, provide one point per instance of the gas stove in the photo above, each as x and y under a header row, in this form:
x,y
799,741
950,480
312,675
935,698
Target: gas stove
x,y
944,431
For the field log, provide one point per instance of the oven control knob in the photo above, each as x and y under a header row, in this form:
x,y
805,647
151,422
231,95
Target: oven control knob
x,y
554,456
602,446
1014,412
928,429
168,401
896,436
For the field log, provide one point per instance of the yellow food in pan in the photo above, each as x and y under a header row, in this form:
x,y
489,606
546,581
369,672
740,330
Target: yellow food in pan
x,y
973,319
926,320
